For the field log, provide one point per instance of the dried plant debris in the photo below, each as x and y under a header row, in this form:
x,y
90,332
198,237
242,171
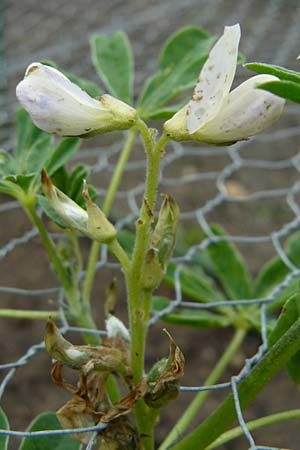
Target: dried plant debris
x,y
90,406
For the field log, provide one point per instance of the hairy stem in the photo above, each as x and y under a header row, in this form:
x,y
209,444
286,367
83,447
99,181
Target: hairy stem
x,y
200,398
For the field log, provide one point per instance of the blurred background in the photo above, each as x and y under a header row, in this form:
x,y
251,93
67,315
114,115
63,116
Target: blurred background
x,y
59,30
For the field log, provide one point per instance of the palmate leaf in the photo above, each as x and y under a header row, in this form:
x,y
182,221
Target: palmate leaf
x,y
285,89
288,85
274,272
229,267
180,62
48,421
194,283
113,59
189,317
281,72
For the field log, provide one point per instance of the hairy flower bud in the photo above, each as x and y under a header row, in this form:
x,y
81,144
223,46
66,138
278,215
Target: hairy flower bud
x,y
214,114
57,105
92,222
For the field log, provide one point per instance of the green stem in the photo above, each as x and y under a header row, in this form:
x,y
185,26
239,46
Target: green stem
x,y
120,254
113,187
137,317
48,243
139,299
254,425
224,416
29,314
200,398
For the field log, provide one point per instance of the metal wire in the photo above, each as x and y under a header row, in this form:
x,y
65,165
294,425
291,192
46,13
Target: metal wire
x,y
149,19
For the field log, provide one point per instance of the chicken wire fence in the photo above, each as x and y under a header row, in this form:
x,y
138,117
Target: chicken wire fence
x,y
175,173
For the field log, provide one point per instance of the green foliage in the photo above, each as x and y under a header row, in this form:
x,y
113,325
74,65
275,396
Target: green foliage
x,y
230,267
113,60
4,425
64,151
35,149
180,62
288,85
274,271
48,421
289,315
195,284
190,317
88,86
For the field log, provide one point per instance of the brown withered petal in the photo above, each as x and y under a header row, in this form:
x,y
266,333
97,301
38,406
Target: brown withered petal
x,y
77,413
86,358
127,403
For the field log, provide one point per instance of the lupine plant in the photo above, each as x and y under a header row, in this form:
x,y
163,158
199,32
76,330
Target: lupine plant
x,y
113,387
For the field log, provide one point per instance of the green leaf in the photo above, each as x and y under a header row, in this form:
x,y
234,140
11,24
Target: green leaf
x,y
62,153
113,60
50,212
38,154
189,317
7,164
274,271
194,283
180,63
281,72
8,188
289,315
27,134
230,267
22,181
48,421
4,425
88,86
285,89
75,183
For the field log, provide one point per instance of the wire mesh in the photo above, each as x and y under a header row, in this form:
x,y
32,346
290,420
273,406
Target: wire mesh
x,y
153,18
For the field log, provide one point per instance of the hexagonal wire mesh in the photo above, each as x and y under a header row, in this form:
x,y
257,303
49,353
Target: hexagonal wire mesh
x,y
274,155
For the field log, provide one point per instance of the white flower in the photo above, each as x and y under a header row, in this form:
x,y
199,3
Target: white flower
x,y
214,114
57,105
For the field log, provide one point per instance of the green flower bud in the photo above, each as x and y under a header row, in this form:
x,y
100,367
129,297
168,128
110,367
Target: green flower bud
x,y
164,234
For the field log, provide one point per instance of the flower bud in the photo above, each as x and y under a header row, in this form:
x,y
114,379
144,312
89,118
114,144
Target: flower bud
x,y
164,234
91,222
57,105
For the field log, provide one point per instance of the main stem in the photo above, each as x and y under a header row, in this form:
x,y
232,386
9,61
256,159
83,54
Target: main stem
x,y
139,299
200,398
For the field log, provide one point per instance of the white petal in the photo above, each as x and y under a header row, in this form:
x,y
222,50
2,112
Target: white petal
x,y
215,80
115,327
57,105
246,112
